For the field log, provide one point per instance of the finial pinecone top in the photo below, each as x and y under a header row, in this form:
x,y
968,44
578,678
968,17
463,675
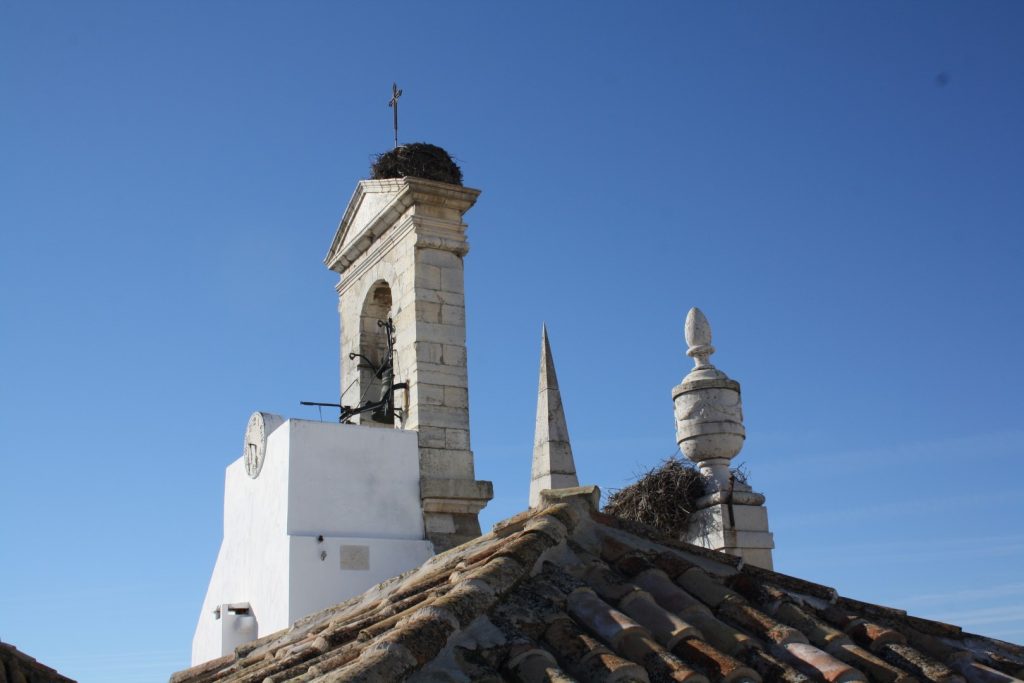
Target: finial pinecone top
x,y
698,337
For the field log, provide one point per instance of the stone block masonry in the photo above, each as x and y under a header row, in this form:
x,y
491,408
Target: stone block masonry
x,y
399,251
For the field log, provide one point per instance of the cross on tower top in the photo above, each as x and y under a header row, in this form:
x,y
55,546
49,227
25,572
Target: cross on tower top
x,y
393,103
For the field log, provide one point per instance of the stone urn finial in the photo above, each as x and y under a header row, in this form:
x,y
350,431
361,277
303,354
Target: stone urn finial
x,y
709,414
698,338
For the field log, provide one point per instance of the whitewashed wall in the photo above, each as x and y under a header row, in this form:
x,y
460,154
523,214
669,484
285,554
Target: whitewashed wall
x,y
358,487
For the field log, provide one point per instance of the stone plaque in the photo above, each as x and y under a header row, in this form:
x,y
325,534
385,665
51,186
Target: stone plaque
x,y
355,557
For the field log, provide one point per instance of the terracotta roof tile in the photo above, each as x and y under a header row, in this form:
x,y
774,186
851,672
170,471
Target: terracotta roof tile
x,y
723,636
672,564
925,668
752,620
17,666
876,668
666,627
564,593
871,635
772,669
658,662
500,574
819,664
536,665
979,673
608,583
716,664
698,584
817,630
586,657
789,583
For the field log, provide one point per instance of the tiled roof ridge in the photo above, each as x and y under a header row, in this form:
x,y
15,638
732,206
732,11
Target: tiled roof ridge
x,y
798,585
933,652
419,638
15,665
564,593
435,606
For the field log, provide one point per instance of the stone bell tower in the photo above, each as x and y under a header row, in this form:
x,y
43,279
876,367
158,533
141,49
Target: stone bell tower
x,y
399,251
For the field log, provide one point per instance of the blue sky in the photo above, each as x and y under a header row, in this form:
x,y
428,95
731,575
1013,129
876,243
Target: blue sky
x,y
837,186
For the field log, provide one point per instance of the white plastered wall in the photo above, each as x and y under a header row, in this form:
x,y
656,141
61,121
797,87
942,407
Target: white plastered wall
x,y
357,487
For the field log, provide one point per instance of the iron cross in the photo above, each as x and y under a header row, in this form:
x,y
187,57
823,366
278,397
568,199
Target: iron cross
x,y
393,103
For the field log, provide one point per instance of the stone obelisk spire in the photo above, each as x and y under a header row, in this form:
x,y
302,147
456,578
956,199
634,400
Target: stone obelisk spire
x,y
553,466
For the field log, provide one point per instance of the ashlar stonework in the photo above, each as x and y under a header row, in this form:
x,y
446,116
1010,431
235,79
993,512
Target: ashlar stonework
x,y
399,252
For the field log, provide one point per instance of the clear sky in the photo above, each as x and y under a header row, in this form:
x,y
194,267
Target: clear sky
x,y
837,185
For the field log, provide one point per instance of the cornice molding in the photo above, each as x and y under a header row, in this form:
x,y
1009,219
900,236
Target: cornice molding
x,y
410,192
457,247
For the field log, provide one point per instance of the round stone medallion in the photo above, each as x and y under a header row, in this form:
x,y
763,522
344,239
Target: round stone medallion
x,y
254,448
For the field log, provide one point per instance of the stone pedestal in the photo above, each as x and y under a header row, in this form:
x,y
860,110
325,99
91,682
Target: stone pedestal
x,y
739,529
450,508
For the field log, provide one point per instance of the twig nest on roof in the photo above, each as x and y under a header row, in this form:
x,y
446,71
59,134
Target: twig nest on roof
x,y
664,497
419,160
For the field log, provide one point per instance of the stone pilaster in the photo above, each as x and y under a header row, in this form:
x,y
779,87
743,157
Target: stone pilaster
x,y
709,429
399,251
553,465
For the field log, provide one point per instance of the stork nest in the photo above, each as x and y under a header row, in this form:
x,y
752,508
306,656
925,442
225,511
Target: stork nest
x,y
664,497
419,160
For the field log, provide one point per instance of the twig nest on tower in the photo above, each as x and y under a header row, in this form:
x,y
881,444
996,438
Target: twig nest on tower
x,y
418,160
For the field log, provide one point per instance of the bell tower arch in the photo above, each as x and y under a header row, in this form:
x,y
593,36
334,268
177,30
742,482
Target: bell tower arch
x,y
369,383
399,253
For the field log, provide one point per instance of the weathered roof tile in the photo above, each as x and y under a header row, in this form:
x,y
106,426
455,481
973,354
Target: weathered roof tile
x,y
661,665
872,635
819,664
666,592
876,668
723,636
818,631
600,618
666,627
699,584
739,613
716,664
772,669
925,668
16,666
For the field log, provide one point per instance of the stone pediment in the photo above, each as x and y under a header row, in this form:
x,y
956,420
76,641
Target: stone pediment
x,y
376,205
368,206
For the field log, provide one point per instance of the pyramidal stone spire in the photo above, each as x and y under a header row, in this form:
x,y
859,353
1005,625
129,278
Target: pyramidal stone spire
x,y
553,466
